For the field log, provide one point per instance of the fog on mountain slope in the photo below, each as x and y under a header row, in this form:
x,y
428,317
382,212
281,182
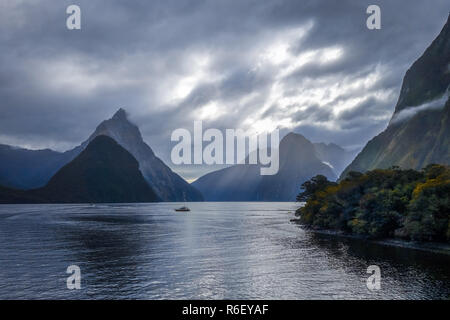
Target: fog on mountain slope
x,y
409,112
423,135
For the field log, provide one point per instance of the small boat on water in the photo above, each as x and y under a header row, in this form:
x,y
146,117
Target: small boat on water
x,y
183,209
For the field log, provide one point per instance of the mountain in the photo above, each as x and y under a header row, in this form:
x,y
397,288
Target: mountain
x,y
235,183
29,169
168,185
104,172
298,163
419,131
337,157
10,195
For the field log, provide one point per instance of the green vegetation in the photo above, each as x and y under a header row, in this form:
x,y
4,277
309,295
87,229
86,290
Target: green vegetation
x,y
386,203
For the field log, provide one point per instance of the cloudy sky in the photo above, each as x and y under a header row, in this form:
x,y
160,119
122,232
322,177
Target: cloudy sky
x,y
311,67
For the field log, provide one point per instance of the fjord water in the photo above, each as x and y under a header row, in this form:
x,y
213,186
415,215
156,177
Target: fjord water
x,y
216,251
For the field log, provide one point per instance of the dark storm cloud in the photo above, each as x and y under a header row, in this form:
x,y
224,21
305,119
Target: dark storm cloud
x,y
308,66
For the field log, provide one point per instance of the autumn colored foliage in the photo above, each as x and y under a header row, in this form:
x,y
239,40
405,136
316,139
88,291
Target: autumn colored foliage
x,y
380,203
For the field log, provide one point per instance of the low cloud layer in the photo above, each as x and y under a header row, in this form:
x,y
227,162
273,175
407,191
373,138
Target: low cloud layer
x,y
306,66
408,112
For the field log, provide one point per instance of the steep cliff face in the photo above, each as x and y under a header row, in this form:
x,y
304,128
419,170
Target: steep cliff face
x,y
419,131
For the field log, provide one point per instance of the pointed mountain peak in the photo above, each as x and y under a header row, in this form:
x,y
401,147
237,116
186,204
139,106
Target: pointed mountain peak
x,y
103,172
121,114
292,137
122,130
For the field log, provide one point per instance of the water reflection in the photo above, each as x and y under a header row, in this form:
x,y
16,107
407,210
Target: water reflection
x,y
217,251
406,272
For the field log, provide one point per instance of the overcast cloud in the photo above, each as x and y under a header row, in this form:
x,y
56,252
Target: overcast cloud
x,y
311,67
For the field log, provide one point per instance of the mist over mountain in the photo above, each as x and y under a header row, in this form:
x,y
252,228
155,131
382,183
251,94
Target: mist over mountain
x,y
29,169
419,131
417,135
298,163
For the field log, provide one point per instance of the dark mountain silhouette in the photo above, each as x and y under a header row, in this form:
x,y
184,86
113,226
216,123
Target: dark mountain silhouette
x,y
103,172
298,163
10,195
168,185
419,131
29,169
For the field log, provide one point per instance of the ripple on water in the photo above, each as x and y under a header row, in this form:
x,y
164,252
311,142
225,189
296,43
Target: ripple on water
x,y
216,251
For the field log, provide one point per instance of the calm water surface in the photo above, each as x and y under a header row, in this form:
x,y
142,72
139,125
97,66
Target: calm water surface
x,y
216,251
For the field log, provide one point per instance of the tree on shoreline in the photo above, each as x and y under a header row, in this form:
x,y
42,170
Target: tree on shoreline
x,y
381,203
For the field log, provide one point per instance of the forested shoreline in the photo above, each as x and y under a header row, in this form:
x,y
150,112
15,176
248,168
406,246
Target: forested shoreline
x,y
382,203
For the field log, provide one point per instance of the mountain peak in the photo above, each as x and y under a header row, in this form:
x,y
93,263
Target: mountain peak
x,y
166,184
298,163
121,114
293,134
294,138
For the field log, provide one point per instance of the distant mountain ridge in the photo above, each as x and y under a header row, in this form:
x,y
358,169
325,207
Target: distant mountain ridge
x,y
337,157
104,172
298,163
419,131
29,169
